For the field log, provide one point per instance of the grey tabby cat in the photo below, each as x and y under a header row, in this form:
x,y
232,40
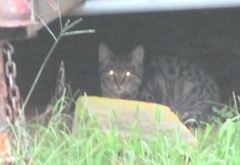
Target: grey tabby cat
x,y
186,89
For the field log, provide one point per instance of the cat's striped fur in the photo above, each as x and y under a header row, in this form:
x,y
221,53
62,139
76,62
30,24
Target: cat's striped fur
x,y
185,88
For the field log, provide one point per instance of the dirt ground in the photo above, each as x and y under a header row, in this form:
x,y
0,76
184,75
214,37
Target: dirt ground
x,y
210,38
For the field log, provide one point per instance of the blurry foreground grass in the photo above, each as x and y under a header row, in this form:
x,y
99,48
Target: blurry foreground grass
x,y
54,144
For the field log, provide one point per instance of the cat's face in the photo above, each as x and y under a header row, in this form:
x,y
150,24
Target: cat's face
x,y
120,76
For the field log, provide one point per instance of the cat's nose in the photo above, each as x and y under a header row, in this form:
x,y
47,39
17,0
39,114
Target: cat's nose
x,y
118,86
119,83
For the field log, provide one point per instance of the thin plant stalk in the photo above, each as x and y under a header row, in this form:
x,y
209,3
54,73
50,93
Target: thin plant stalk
x,y
57,39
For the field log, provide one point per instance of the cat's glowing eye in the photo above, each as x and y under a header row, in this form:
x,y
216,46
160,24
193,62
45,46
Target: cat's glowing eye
x,y
111,72
128,73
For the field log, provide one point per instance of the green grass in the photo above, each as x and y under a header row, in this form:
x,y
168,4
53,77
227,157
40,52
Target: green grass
x,y
54,143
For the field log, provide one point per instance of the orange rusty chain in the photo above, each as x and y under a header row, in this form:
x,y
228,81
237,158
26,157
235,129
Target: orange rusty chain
x,y
9,113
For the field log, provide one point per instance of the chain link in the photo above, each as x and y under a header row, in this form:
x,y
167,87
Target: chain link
x,y
8,112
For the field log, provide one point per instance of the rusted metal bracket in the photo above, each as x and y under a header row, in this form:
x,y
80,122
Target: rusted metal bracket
x,y
22,19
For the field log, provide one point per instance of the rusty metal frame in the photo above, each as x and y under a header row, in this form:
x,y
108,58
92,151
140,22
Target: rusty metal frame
x,y
42,13
49,10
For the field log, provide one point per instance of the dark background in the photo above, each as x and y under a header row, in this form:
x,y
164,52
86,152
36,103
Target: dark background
x,y
210,38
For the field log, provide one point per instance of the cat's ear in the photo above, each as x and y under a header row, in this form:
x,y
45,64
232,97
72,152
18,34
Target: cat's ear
x,y
137,55
104,53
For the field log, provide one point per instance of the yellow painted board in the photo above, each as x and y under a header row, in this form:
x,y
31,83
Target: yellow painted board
x,y
150,118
